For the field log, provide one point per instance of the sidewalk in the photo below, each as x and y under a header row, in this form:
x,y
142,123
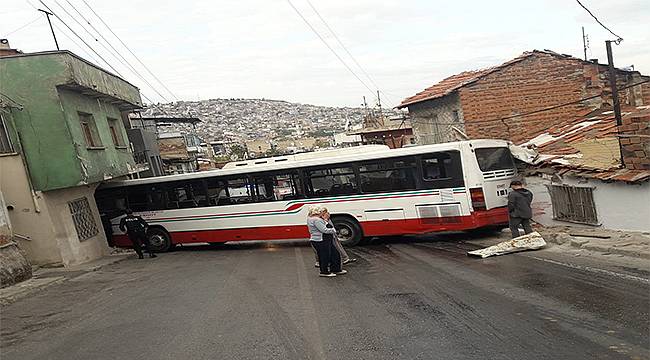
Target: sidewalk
x,y
632,244
45,277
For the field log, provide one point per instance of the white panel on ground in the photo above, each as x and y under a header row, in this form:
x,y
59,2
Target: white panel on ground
x,y
532,241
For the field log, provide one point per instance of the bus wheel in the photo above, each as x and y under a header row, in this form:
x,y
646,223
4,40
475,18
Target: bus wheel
x,y
159,239
348,230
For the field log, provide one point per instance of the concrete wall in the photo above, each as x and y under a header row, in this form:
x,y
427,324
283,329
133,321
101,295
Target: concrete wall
x,y
41,221
31,222
46,117
72,249
433,120
619,206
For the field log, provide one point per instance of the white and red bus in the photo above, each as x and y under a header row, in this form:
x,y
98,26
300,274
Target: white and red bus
x,y
370,191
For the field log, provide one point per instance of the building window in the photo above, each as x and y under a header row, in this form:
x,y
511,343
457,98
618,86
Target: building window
x,y
116,133
82,216
573,204
89,129
5,141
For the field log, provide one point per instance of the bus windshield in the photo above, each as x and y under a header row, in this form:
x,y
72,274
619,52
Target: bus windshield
x,y
494,158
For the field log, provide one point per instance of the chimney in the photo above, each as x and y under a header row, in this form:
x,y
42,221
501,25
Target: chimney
x,y
6,50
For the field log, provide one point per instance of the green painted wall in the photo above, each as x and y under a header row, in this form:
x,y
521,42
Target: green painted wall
x,y
52,88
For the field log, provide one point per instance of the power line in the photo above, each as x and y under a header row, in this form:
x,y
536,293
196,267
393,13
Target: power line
x,y
76,43
124,62
82,40
22,27
329,28
85,43
342,45
618,38
329,47
131,52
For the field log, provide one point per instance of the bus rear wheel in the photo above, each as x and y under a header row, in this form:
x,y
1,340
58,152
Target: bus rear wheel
x,y
348,231
159,240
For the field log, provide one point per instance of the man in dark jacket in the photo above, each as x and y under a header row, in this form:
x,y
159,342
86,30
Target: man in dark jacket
x,y
136,229
519,208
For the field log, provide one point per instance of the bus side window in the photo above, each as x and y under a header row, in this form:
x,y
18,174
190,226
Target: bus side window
x,y
264,188
112,201
157,198
138,198
433,168
442,170
197,193
217,192
287,187
239,191
388,175
334,181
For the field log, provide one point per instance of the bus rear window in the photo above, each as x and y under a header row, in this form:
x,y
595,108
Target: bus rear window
x,y
495,158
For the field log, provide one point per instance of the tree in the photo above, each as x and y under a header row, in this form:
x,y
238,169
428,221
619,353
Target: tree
x,y
238,151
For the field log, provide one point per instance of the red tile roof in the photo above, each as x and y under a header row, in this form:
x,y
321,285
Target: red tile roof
x,y
455,82
444,87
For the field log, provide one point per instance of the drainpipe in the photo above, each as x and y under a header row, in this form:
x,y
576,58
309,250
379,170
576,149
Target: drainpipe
x,y
37,207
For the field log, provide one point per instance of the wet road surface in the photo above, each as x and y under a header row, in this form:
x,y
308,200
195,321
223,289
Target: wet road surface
x,y
402,300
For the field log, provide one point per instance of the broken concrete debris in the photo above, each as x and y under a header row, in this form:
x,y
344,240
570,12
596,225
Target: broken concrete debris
x,y
532,241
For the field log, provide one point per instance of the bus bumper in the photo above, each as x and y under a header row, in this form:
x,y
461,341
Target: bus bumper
x,y
477,219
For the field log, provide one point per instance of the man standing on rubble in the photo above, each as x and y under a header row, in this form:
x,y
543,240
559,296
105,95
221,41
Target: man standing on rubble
x,y
519,209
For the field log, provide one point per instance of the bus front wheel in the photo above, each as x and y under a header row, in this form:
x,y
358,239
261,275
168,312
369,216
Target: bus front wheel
x,y
348,230
159,240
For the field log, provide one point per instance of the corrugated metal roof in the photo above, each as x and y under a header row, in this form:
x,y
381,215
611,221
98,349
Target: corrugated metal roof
x,y
560,146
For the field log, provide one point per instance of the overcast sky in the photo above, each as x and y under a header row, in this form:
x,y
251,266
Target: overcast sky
x,y
263,49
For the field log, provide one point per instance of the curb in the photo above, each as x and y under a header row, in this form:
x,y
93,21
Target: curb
x,y
16,292
616,250
23,289
587,244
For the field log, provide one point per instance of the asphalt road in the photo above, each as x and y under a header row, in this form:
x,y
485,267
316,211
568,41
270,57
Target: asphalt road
x,y
401,300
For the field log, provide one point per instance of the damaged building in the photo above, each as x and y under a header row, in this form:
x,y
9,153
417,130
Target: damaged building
x,y
504,101
62,132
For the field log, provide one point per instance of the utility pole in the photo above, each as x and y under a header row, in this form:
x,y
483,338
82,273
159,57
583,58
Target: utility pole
x,y
584,42
47,14
615,100
612,83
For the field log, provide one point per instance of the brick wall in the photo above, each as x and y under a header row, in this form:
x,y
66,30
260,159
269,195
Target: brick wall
x,y
635,142
539,81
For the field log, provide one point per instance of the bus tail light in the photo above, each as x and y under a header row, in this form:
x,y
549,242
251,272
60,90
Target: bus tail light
x,y
478,198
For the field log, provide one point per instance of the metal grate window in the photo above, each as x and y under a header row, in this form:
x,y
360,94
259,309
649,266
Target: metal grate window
x,y
82,216
574,204
5,141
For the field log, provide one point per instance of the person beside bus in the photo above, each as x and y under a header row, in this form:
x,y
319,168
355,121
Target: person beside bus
x,y
136,229
519,209
322,240
345,258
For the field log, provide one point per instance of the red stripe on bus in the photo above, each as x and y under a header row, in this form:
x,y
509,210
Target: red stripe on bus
x,y
498,216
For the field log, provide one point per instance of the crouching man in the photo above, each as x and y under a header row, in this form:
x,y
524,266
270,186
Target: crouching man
x,y
136,229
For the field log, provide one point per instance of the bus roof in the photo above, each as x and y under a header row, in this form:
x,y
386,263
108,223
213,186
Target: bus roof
x,y
308,155
306,162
